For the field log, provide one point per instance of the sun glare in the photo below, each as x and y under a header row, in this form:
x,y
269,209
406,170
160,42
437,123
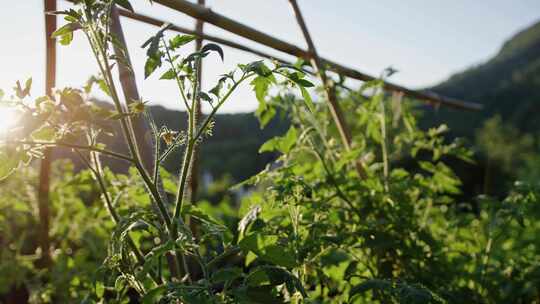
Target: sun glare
x,y
8,118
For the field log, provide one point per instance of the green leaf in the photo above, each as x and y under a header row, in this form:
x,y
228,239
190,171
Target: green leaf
x,y
154,295
103,86
67,28
265,113
260,86
8,163
304,83
100,289
180,40
45,133
153,42
217,89
256,294
369,285
66,32
226,274
307,99
282,144
213,47
267,248
151,65
66,38
22,93
170,74
71,98
201,215
274,276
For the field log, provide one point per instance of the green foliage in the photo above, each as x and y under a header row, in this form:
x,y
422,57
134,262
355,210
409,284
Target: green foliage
x,y
313,230
400,235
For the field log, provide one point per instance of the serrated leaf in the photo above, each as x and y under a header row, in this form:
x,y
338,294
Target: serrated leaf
x,y
45,133
23,92
266,247
180,40
282,144
260,87
170,74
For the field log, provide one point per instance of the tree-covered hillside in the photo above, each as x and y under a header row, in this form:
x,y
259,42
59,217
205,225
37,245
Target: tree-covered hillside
x,y
508,85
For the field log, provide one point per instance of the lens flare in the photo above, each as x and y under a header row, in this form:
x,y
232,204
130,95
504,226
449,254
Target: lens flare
x,y
8,119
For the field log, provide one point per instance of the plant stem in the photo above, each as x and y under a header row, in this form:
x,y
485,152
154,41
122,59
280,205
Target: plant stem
x,y
128,132
384,147
98,175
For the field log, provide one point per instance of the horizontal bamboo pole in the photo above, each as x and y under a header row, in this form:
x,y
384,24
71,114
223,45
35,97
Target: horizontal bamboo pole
x,y
228,24
235,45
237,28
153,21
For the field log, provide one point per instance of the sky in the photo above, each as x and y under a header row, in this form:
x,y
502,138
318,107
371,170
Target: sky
x,y
426,41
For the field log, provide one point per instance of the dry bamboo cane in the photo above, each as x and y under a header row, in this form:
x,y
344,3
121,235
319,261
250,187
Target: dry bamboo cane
x,y
228,24
131,93
156,22
45,165
335,109
140,125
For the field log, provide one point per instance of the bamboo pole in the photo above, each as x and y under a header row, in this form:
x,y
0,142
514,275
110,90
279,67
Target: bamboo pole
x,y
45,165
235,45
131,93
156,22
207,15
140,125
335,109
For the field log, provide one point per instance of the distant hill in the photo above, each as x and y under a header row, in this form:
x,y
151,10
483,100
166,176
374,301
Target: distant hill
x,y
507,84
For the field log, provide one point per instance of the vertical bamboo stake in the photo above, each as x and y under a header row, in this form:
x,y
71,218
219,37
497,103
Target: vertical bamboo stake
x,y
45,166
335,109
140,125
131,93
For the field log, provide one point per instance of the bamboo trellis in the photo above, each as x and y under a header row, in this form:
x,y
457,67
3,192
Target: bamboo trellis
x,y
203,14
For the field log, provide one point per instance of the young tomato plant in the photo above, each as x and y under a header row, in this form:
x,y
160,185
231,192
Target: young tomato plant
x,y
153,250
350,238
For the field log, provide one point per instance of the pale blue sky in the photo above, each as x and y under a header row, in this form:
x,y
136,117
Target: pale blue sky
x,y
425,40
